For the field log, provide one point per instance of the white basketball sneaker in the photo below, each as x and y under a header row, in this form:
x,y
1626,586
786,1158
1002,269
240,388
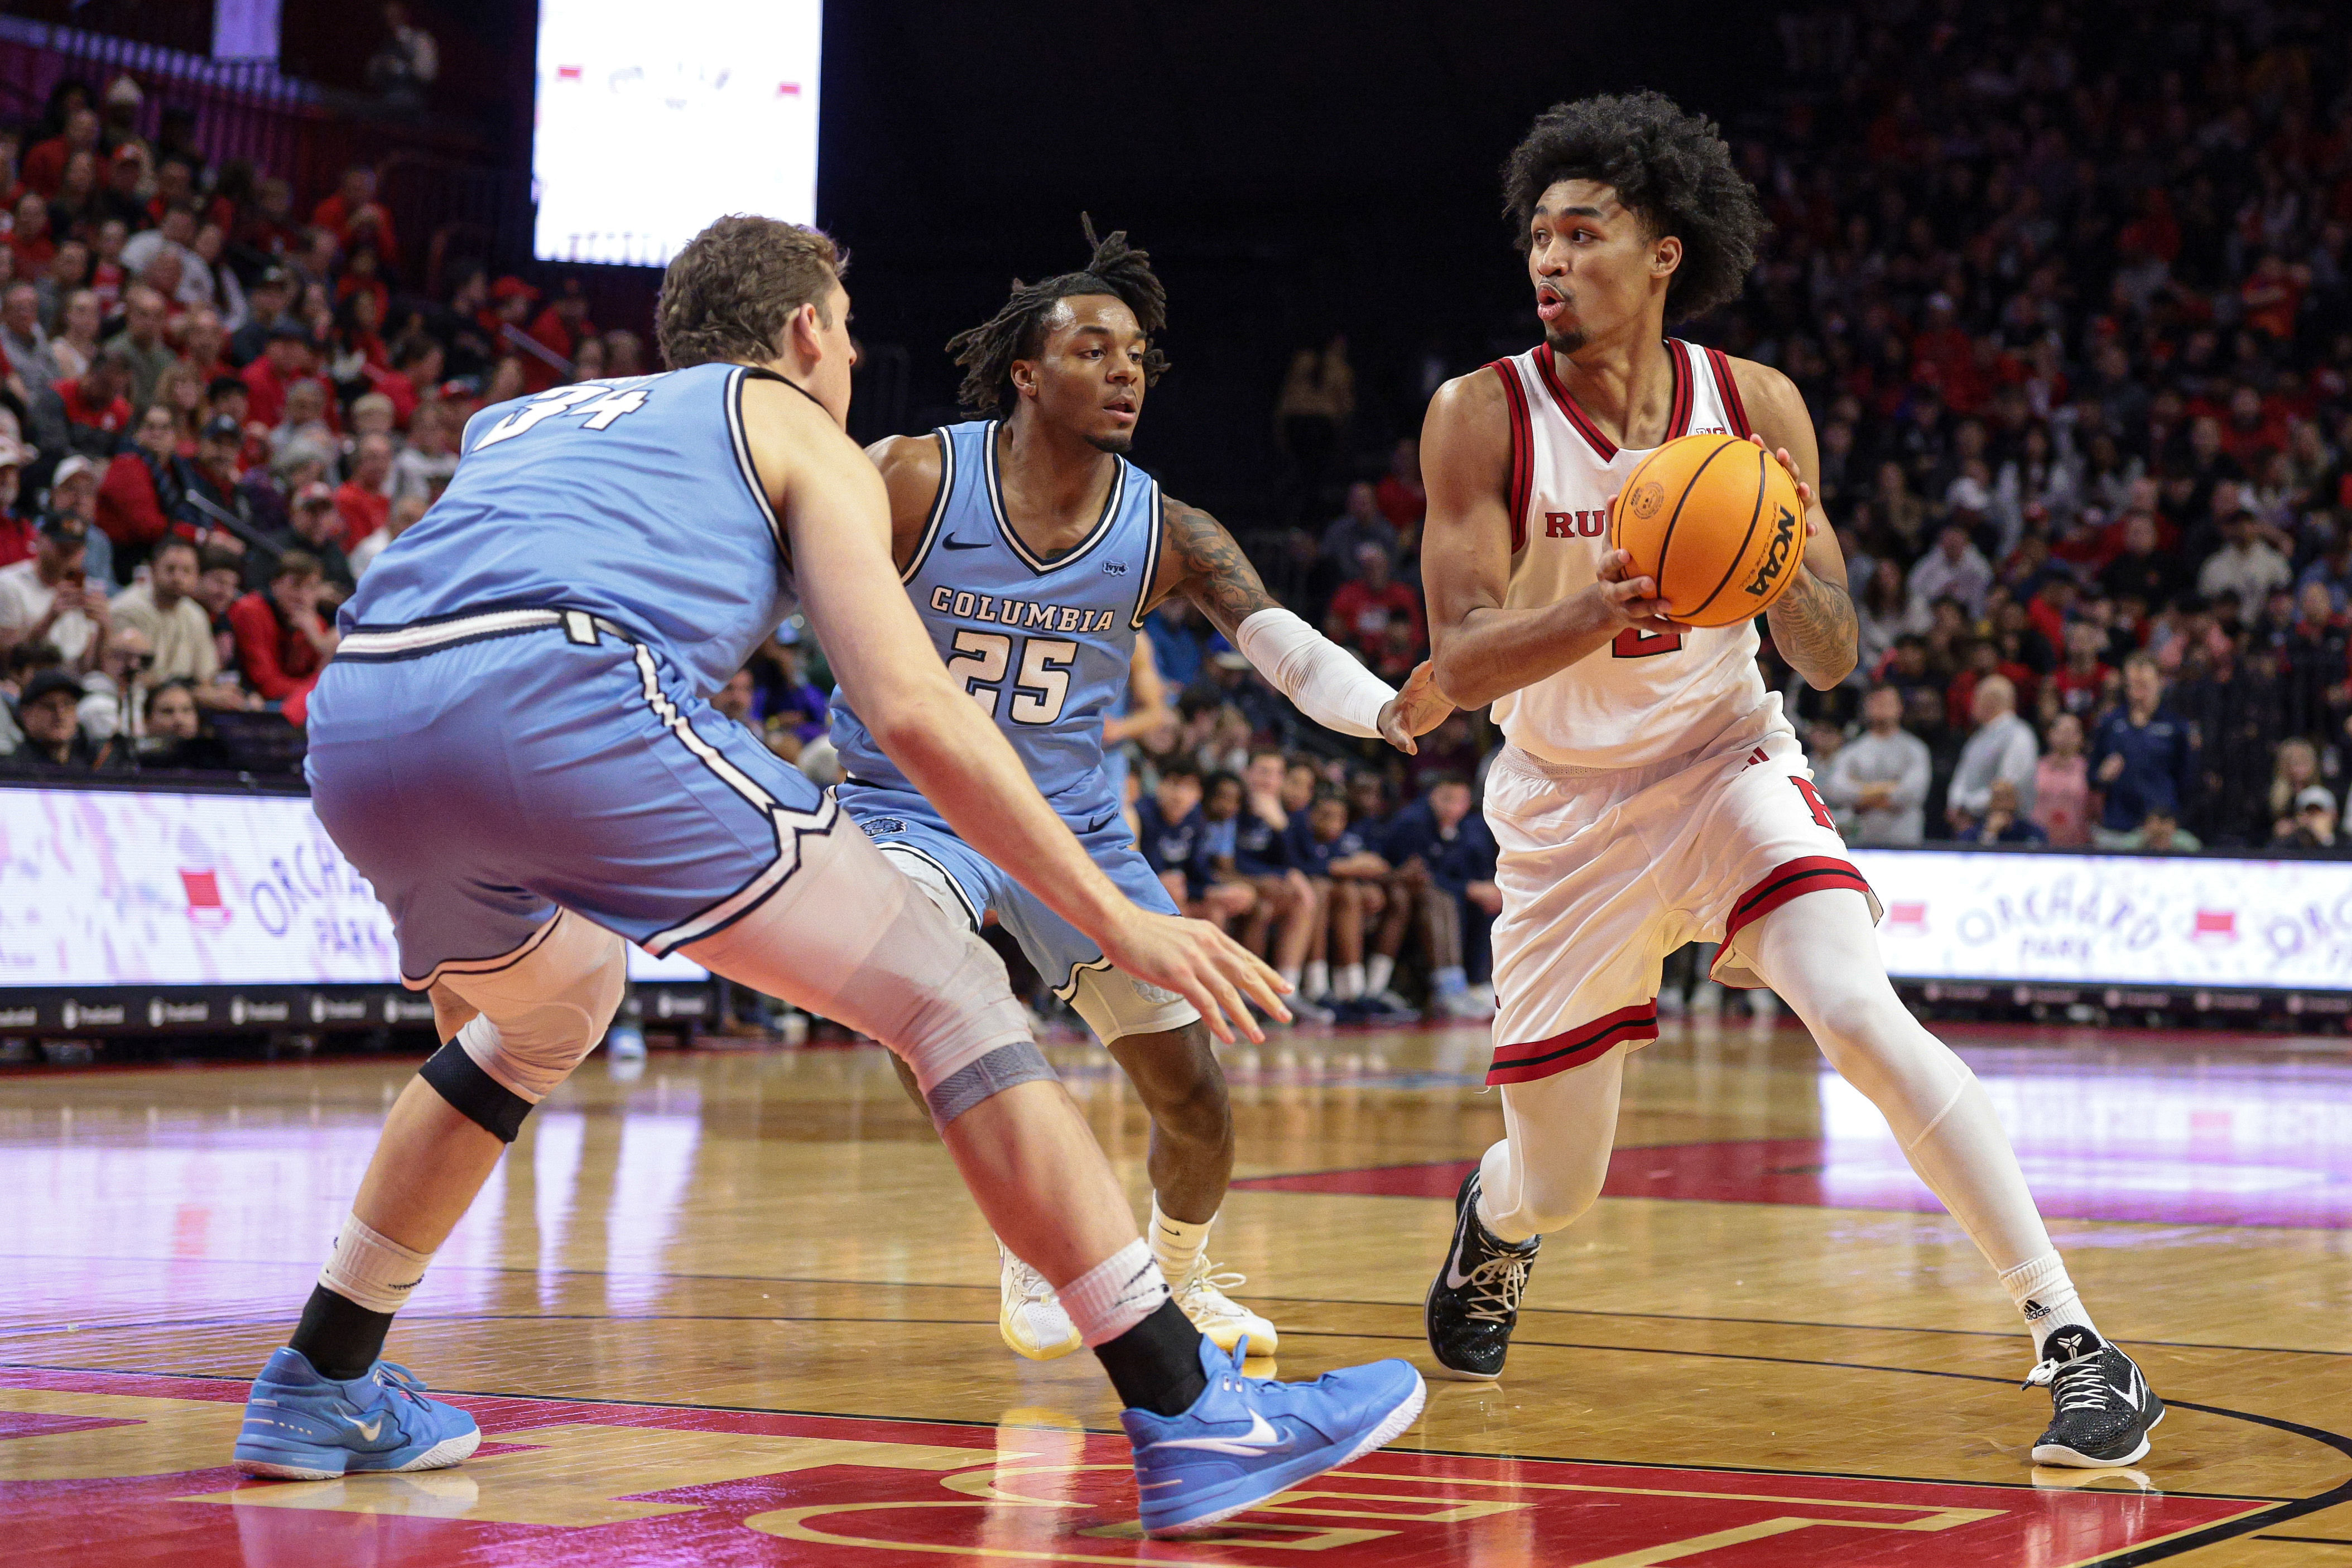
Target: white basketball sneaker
x,y
1028,1314
1202,1296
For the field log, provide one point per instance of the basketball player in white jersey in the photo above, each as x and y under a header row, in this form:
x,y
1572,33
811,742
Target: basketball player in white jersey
x,y
1650,793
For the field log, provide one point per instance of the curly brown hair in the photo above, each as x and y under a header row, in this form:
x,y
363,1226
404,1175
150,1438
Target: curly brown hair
x,y
1668,166
728,293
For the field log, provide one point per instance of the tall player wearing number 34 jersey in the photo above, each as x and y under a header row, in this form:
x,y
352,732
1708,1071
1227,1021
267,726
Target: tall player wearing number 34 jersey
x,y
1650,793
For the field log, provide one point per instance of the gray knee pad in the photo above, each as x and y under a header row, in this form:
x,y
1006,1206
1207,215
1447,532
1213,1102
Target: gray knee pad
x,y
533,1022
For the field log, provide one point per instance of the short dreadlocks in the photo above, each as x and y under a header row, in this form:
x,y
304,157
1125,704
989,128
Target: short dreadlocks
x,y
987,352
1670,167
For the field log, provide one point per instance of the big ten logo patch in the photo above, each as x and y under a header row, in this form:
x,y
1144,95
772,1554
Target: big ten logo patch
x,y
1575,524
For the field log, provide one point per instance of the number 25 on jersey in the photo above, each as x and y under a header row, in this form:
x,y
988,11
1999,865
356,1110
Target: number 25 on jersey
x,y
1041,686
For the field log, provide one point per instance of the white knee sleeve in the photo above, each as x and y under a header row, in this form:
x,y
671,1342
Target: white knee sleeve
x,y
1819,953
850,938
535,1020
1554,1155
526,1026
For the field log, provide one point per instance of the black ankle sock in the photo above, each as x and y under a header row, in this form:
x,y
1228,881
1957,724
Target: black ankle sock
x,y
341,1338
1156,1365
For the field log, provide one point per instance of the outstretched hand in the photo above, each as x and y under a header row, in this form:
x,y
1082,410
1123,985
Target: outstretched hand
x,y
1201,964
1416,711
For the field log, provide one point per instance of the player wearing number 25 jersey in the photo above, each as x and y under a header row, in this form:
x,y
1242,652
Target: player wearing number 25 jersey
x,y
1045,646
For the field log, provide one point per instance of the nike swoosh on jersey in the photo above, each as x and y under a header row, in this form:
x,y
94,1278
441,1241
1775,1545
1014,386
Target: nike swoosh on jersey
x,y
965,544
1261,1439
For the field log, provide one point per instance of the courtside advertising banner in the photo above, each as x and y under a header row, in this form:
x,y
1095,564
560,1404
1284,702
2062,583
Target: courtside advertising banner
x,y
104,887
2114,920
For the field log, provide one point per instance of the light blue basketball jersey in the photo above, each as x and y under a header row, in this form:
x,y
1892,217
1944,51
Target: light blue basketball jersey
x,y
1043,646
632,499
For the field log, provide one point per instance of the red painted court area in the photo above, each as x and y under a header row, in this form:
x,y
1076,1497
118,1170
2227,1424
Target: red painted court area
x,y
2288,1187
575,1482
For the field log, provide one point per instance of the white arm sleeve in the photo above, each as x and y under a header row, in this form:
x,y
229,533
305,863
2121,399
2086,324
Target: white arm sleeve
x,y
1315,672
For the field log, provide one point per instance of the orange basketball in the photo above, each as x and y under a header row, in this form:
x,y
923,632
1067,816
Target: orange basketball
x,y
1716,520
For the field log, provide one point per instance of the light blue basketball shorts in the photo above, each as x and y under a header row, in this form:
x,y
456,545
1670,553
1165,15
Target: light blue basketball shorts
x,y
481,770
909,830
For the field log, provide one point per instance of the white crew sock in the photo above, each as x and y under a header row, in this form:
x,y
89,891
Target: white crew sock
x,y
1379,970
1289,972
1450,981
1319,980
1176,1244
372,1269
1114,1295
2042,1292
1347,982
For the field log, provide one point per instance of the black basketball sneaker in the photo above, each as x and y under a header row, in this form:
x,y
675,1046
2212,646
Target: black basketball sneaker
x,y
1473,1302
2105,1408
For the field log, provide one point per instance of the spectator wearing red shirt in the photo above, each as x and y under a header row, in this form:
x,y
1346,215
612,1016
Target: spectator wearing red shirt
x,y
286,360
354,215
559,330
139,499
18,540
1364,609
283,640
2081,682
87,414
34,246
44,168
364,501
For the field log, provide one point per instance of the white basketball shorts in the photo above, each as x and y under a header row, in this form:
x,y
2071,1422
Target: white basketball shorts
x,y
1605,871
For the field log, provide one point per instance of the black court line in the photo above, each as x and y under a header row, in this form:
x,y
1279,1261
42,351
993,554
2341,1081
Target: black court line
x,y
441,1268
1694,1467
2311,1540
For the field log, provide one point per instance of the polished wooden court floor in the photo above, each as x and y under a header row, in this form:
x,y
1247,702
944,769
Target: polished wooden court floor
x,y
733,1309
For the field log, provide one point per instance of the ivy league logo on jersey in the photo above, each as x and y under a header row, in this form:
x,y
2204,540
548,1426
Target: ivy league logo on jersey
x,y
1776,561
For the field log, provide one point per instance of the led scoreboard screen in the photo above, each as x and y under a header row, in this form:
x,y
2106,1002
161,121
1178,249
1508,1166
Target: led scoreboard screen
x,y
652,120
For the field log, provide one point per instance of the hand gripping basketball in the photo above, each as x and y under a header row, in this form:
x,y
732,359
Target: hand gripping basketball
x,y
1717,521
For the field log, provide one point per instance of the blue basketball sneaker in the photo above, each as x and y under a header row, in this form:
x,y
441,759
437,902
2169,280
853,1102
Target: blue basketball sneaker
x,y
301,1427
1247,1438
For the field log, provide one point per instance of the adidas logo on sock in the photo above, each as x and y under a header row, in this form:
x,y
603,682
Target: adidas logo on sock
x,y
2035,1312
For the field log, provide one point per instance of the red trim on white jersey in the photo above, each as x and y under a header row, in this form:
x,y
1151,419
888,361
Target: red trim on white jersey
x,y
1523,461
1643,699
1727,388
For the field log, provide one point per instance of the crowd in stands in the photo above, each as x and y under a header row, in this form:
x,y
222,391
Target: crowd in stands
x,y
2066,290
220,398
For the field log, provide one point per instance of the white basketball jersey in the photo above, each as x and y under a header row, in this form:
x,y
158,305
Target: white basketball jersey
x,y
1643,697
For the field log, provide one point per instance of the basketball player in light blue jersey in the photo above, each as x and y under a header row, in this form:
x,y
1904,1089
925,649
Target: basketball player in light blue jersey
x,y
1032,549
513,745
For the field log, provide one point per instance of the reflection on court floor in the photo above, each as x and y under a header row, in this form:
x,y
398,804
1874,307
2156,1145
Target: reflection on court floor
x,y
734,1311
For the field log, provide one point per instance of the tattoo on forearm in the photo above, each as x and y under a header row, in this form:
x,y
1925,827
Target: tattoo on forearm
x,y
1203,563
1813,626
